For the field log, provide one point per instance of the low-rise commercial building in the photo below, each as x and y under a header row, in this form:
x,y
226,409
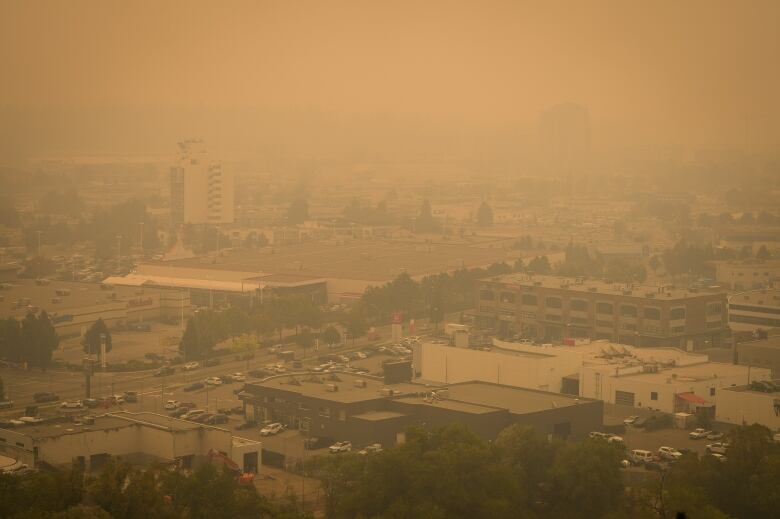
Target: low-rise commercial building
x,y
551,308
744,405
364,409
141,437
747,274
763,353
754,310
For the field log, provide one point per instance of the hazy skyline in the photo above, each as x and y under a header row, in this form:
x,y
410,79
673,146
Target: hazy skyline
x,y
89,74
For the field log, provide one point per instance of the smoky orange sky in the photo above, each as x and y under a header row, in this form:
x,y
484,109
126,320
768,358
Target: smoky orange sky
x,y
689,73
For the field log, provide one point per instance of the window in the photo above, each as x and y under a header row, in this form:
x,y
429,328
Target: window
x,y
712,391
303,407
604,324
507,297
714,309
528,299
324,411
605,308
677,313
627,311
487,295
552,317
653,395
578,320
579,305
553,302
652,313
678,329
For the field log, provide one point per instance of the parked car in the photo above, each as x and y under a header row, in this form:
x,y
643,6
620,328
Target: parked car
x,y
374,448
246,425
214,381
201,418
640,456
669,453
194,386
192,413
188,405
238,376
259,373
115,399
164,371
217,419
212,362
191,365
630,420
715,436
6,404
72,404
44,397
91,402
179,412
340,447
698,434
717,448
30,419
131,396
720,457
271,429
315,442
170,405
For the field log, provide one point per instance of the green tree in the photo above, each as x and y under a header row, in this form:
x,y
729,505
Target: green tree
x,y
305,340
93,337
585,481
540,265
330,336
356,322
484,215
763,253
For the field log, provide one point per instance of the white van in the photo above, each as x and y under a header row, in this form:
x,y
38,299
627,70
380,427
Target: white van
x,y
639,456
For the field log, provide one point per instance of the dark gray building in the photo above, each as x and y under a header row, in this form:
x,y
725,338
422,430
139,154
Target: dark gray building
x,y
363,409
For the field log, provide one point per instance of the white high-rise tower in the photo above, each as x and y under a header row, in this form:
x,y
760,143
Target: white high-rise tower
x,y
201,189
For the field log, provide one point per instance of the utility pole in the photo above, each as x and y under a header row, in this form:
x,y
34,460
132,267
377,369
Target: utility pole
x,y
141,240
118,253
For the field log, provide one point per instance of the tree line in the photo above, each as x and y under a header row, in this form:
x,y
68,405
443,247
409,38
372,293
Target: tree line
x,y
31,339
120,491
451,473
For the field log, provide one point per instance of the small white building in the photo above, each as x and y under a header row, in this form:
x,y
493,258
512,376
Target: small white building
x,y
138,436
743,405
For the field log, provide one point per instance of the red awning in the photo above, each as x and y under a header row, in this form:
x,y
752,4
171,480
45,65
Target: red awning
x,y
692,398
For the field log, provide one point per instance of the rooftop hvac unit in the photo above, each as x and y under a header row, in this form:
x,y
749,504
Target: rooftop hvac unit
x,y
332,388
650,295
626,292
386,391
537,283
360,383
592,289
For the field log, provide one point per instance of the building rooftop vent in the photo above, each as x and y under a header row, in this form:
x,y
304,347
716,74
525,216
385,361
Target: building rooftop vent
x,y
592,289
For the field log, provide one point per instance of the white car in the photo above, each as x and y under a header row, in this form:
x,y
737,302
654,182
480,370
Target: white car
x,y
213,381
371,449
271,429
698,434
720,457
717,448
30,419
238,377
669,453
72,404
191,365
360,355
630,420
340,447
170,405
614,438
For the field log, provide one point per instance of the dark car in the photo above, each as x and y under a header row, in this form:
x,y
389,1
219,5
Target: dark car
x,y
316,443
45,397
131,396
224,410
227,379
246,425
212,362
194,386
203,418
259,373
178,412
188,405
216,419
164,371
